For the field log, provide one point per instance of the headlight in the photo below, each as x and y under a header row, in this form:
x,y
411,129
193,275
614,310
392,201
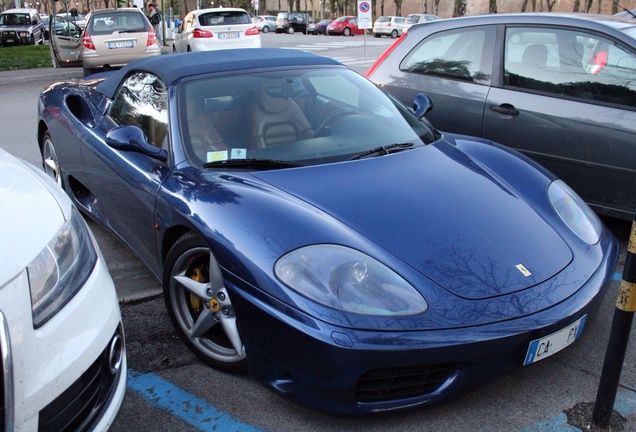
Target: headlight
x,y
574,212
23,34
348,280
61,269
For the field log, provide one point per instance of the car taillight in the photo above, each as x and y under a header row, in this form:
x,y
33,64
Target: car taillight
x,y
251,31
152,37
598,62
87,41
384,56
198,33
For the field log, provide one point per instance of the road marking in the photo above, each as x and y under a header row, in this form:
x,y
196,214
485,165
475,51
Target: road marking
x,y
181,404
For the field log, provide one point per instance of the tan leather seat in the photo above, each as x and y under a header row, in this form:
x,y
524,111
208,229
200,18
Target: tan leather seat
x,y
202,135
276,119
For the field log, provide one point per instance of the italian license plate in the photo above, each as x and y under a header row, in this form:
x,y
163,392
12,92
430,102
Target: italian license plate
x,y
120,44
229,35
545,347
10,40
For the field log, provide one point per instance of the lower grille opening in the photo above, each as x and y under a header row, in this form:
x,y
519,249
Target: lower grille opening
x,y
80,406
395,383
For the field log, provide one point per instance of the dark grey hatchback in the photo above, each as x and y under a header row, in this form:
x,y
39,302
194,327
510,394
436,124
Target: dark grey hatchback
x,y
560,88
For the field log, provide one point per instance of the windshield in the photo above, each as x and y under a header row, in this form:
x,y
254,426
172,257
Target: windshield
x,y
14,19
305,116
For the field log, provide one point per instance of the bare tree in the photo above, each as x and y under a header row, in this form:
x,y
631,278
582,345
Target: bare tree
x,y
576,5
588,6
436,7
460,8
550,4
398,7
492,7
524,5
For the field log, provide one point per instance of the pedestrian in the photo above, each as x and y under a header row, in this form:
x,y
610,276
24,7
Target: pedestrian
x,y
154,16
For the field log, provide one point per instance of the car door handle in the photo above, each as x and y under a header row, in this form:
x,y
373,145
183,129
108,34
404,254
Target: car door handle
x,y
505,109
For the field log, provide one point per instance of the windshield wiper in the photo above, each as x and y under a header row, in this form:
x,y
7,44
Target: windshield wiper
x,y
383,150
260,164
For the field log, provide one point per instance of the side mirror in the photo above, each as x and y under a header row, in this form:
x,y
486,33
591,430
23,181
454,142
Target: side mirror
x,y
422,104
133,139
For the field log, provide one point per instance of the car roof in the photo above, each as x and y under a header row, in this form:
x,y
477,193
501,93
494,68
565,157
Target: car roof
x,y
171,68
19,10
209,10
602,23
111,11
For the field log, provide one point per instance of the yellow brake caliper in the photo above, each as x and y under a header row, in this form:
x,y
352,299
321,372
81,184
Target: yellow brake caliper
x,y
199,276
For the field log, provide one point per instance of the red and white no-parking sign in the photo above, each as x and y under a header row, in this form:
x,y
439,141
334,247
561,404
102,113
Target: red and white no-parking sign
x,y
365,20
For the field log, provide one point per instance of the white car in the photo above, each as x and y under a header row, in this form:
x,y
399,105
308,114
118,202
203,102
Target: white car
x,y
216,28
61,335
388,26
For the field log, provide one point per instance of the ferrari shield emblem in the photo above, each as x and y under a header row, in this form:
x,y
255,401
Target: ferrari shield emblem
x,y
524,271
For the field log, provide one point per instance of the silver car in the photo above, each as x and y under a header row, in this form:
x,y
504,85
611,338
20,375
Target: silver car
x,y
112,38
558,87
21,27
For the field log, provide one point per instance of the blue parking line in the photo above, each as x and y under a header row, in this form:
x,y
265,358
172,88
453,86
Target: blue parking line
x,y
181,404
617,276
625,405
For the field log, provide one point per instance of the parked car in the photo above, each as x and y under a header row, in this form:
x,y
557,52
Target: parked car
x,y
75,18
21,27
45,26
63,352
346,26
391,26
319,28
112,39
290,22
265,23
418,19
558,87
627,13
216,28
225,176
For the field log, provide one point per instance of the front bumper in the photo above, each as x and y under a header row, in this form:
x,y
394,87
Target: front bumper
x,y
11,37
73,368
341,370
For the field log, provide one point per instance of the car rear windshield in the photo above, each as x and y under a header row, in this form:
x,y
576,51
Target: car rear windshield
x,y
128,22
224,18
14,19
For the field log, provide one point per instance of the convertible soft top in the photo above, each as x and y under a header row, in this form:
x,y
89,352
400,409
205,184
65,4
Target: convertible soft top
x,y
175,66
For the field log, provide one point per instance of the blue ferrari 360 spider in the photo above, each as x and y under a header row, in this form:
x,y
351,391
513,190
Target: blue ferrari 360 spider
x,y
311,229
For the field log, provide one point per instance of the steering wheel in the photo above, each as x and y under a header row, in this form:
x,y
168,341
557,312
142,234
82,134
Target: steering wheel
x,y
331,117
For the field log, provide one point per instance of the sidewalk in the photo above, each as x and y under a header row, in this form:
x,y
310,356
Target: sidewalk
x,y
51,73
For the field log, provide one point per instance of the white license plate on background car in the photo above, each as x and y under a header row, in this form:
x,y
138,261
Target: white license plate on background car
x,y
120,44
229,35
545,347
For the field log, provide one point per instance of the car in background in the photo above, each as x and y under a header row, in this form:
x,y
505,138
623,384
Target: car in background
x,y
346,26
225,176
558,87
45,26
112,39
21,27
392,26
418,19
214,29
319,27
63,357
74,17
627,13
265,23
291,22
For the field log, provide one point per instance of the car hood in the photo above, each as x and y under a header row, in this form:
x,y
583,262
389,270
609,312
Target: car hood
x,y
30,214
440,212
